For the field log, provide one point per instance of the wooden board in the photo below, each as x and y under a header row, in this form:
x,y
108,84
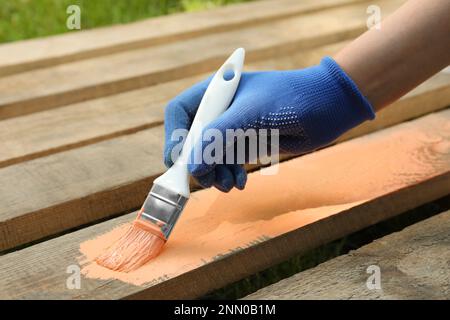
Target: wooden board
x,y
113,176
51,87
52,131
69,189
311,201
44,52
413,265
43,133
432,95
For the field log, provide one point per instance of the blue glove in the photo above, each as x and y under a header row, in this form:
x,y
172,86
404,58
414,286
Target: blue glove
x,y
310,108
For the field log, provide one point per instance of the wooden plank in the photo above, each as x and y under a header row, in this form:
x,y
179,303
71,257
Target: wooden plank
x,y
87,181
87,79
222,238
43,133
68,189
413,265
48,132
431,96
38,53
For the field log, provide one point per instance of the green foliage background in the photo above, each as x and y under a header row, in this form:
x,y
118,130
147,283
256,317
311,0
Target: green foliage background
x,y
24,19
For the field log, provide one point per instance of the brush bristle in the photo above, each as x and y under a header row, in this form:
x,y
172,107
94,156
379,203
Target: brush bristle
x,y
140,244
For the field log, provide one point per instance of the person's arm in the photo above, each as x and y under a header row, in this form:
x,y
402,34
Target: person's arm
x,y
412,44
309,108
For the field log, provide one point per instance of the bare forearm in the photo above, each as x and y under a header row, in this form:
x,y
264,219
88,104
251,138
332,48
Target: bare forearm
x,y
412,45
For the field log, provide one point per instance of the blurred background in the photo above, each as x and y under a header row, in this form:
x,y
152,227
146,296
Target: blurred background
x,y
25,19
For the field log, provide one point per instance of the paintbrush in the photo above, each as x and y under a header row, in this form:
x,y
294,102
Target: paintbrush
x,y
170,192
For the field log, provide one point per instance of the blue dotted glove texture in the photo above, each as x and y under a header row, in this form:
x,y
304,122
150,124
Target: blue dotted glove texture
x,y
310,107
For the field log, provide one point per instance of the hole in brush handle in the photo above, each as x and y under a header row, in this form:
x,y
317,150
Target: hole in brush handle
x,y
228,75
215,101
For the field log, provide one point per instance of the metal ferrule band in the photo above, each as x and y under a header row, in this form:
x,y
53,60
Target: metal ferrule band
x,y
163,207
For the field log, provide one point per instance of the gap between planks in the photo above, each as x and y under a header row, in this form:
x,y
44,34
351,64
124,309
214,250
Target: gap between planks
x,y
222,238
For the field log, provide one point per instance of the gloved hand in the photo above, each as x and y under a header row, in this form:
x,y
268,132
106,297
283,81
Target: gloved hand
x,y
310,108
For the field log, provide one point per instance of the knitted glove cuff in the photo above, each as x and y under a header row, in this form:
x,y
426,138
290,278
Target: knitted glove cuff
x,y
356,99
328,103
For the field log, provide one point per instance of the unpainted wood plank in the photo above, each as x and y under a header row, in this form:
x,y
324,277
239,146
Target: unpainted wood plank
x,y
86,181
43,133
222,238
48,132
97,77
49,51
68,189
412,264
431,96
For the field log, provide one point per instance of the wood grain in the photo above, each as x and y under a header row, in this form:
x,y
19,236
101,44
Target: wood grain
x,y
43,133
52,131
51,87
222,238
69,189
413,265
38,53
113,176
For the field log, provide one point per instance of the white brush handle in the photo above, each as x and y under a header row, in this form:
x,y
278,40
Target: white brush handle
x,y
215,101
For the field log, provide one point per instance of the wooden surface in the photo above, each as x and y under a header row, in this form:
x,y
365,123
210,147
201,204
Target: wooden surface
x,y
113,176
72,82
413,264
367,180
84,123
38,53
43,133
81,120
68,189
52,131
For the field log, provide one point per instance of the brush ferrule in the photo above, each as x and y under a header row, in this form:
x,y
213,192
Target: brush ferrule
x,y
163,208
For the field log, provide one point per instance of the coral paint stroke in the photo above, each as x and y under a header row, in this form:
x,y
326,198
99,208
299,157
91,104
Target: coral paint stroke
x,y
303,191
